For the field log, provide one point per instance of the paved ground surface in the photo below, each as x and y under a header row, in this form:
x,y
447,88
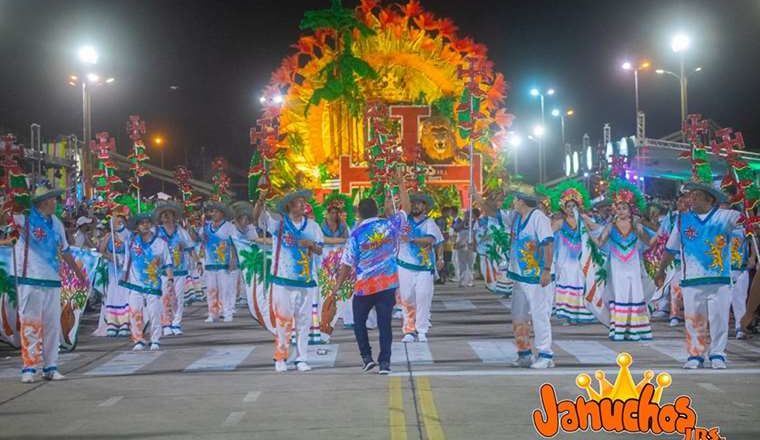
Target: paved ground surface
x,y
217,382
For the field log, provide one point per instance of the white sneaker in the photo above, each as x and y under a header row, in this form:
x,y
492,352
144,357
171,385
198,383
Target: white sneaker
x,y
124,333
168,331
692,364
718,364
155,346
422,337
177,331
398,314
408,338
659,314
140,346
523,362
228,319
54,375
303,366
741,335
209,319
542,362
28,377
674,322
280,366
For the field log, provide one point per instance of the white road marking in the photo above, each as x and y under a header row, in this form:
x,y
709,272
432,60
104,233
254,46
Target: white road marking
x,y
494,351
251,397
327,358
588,352
507,303
110,401
125,363
709,387
746,346
225,358
742,404
459,305
674,349
571,372
14,373
233,419
419,353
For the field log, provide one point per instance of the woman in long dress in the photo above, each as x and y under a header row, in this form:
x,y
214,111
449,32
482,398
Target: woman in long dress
x,y
626,240
114,312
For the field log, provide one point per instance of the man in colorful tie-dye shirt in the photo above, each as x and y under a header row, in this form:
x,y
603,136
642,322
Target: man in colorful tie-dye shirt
x,y
371,252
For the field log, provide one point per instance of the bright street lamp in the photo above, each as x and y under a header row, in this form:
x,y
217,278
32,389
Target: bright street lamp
x,y
679,42
88,55
93,77
558,114
555,112
643,65
538,131
550,92
534,92
159,141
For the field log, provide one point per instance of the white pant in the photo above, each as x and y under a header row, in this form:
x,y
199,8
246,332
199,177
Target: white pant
x,y
703,306
140,305
221,288
416,294
345,311
292,305
465,259
39,310
739,296
173,301
531,302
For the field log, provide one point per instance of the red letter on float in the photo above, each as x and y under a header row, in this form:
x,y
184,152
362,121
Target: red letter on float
x,y
410,118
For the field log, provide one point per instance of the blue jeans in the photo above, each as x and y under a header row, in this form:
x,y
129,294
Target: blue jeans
x,y
383,303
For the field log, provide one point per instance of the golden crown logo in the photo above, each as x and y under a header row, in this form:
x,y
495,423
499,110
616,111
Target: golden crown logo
x,y
624,388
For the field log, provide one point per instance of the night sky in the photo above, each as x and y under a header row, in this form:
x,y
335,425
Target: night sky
x,y
220,55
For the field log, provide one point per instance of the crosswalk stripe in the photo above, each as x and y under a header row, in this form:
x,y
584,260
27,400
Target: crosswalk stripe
x,y
588,352
459,305
12,373
419,353
110,401
125,363
494,351
320,356
251,397
746,346
710,387
233,419
671,348
224,358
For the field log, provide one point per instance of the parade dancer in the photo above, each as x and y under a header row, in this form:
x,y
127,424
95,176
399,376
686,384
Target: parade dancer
x,y
674,288
114,315
626,240
530,266
335,230
492,242
569,239
181,250
464,250
370,254
216,238
147,258
702,239
244,229
740,258
36,264
296,241
416,261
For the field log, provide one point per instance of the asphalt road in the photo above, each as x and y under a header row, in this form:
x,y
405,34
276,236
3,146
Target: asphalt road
x,y
218,382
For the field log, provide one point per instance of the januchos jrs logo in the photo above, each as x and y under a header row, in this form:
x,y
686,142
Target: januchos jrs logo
x,y
622,407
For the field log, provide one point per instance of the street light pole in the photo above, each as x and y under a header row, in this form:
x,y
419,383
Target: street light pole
x,y
636,88
684,108
541,169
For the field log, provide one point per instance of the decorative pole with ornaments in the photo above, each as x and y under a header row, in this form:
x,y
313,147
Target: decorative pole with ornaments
x,y
138,157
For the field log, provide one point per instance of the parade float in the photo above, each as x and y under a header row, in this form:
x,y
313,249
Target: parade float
x,y
367,91
376,87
